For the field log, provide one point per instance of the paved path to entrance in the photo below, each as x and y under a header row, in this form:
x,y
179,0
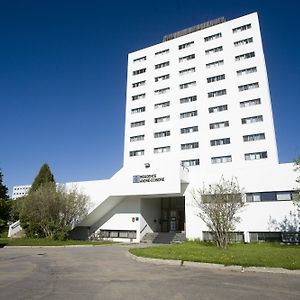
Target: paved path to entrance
x,y
106,272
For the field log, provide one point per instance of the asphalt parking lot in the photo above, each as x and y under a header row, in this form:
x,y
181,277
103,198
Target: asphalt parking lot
x,y
106,272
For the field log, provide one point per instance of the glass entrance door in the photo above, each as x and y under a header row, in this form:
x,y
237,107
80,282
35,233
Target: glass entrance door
x,y
172,214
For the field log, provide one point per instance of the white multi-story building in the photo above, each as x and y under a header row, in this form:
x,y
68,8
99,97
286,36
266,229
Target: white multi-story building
x,y
20,191
198,108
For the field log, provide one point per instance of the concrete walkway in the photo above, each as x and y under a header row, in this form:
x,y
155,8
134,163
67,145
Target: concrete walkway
x,y
108,272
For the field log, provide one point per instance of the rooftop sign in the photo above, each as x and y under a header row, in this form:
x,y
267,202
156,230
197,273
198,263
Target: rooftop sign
x,y
193,29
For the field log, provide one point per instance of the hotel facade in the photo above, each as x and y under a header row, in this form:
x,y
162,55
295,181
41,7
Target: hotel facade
x,y
198,108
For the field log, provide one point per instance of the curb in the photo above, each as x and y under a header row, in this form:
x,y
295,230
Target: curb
x,y
65,246
201,265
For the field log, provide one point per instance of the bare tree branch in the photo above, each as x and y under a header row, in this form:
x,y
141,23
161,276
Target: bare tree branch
x,y
218,206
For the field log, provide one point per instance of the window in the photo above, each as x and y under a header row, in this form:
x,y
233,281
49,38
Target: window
x,y
216,93
269,196
186,58
214,50
253,197
249,86
187,85
138,110
219,125
162,134
245,56
253,119
140,71
162,65
137,97
186,45
188,114
162,149
215,64
162,52
189,129
254,137
243,42
221,159
137,124
215,78
162,104
140,83
246,71
251,102
241,28
213,37
163,77
188,146
162,119
188,99
284,196
220,142
137,138
161,91
190,162
139,59
137,153
256,155
217,108
187,71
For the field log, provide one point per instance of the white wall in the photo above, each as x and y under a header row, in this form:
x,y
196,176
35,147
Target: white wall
x,y
256,216
237,148
150,214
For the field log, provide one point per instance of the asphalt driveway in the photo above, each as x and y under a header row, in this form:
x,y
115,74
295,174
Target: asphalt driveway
x,y
106,272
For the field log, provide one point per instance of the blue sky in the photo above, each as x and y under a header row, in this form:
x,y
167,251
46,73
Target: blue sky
x,y
63,77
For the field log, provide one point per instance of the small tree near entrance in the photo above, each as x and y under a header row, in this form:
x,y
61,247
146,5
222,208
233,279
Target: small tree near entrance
x,y
219,205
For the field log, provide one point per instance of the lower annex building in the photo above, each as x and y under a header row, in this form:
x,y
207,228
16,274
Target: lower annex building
x,y
198,108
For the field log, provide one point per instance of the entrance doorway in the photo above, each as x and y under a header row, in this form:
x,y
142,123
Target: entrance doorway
x,y
172,214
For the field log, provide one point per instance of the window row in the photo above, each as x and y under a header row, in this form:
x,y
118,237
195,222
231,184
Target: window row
x,y
188,146
138,110
217,93
215,78
190,162
247,156
186,85
241,28
270,196
243,104
208,65
215,142
192,70
163,77
214,50
139,83
249,86
246,71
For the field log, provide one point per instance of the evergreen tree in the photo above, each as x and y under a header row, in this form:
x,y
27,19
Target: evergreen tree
x,y
3,188
42,179
44,176
5,203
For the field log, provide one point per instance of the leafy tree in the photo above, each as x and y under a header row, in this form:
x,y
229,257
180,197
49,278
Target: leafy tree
x,y
52,212
219,205
44,176
16,206
5,203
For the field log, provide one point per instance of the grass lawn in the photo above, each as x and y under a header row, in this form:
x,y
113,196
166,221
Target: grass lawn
x,y
46,242
259,255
